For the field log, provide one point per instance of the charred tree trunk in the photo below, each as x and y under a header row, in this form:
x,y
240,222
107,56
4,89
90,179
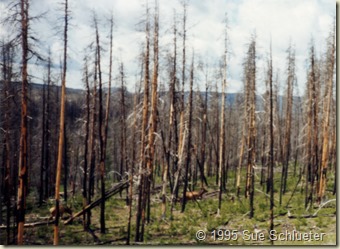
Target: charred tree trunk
x,y
22,189
101,132
140,215
153,118
189,146
92,142
6,181
312,128
47,150
86,143
172,127
270,180
289,99
251,80
123,157
133,159
43,147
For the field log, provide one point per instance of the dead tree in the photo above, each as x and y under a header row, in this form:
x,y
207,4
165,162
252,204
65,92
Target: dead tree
x,y
222,126
101,133
23,179
6,181
288,124
92,140
105,129
62,126
172,125
243,135
250,83
182,108
86,140
140,215
123,157
312,128
43,141
270,180
328,95
153,118
189,145
133,160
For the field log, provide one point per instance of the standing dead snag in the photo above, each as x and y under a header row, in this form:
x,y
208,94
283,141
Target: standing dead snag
x,y
153,118
105,127
7,65
172,125
43,140
86,140
246,104
326,114
133,160
92,142
288,125
123,157
270,180
182,108
62,127
222,127
22,189
101,133
250,84
189,145
312,128
140,215
181,138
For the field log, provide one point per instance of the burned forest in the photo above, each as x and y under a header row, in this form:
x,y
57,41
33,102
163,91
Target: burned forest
x,y
154,146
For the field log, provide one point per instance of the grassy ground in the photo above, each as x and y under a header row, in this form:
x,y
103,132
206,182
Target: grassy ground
x,y
232,227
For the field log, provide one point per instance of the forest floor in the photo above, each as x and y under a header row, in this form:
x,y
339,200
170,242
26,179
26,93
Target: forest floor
x,y
232,227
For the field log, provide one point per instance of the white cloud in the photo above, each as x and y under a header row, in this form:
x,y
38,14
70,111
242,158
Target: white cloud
x,y
280,21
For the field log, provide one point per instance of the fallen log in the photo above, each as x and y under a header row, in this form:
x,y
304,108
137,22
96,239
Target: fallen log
x,y
116,189
34,224
290,216
95,237
322,205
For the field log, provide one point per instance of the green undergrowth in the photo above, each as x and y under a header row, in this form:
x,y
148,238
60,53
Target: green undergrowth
x,y
200,215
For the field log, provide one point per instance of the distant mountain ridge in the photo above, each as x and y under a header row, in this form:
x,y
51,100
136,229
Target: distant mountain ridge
x,y
230,97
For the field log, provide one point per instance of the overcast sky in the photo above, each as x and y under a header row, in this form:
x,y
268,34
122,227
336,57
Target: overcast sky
x,y
282,21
